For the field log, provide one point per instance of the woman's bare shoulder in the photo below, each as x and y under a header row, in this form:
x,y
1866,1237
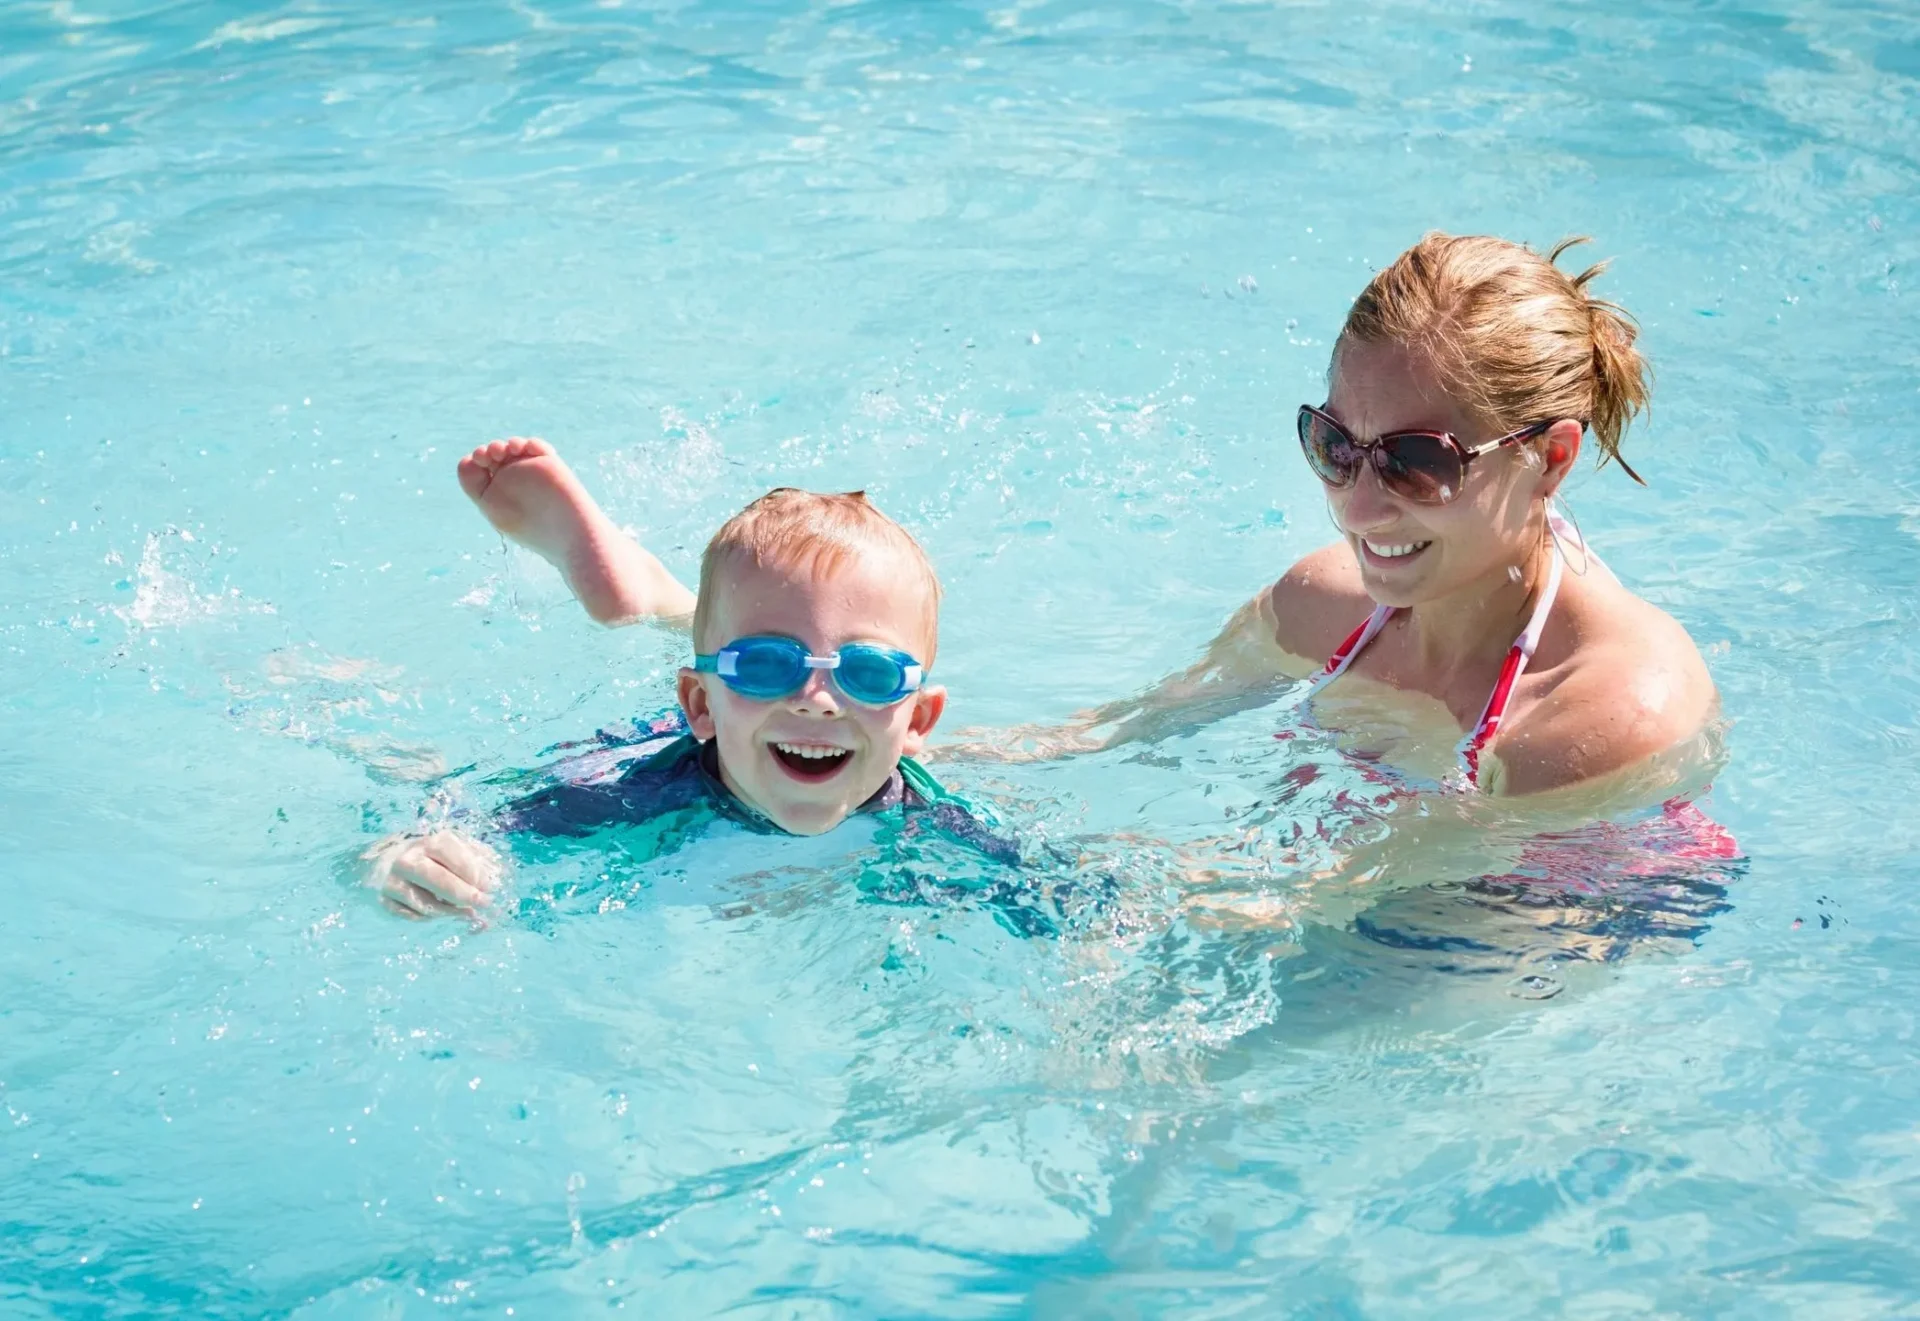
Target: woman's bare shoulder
x,y
1317,603
1637,688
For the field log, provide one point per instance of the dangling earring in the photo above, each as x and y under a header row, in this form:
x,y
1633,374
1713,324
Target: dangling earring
x,y
1556,517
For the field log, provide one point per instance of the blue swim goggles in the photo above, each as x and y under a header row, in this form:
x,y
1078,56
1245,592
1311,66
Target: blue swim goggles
x,y
769,668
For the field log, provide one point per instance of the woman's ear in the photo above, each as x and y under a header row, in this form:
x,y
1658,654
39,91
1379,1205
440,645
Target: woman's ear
x,y
928,706
1561,448
696,703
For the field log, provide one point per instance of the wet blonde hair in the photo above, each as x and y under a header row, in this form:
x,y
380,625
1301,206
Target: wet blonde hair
x,y
1513,336
788,528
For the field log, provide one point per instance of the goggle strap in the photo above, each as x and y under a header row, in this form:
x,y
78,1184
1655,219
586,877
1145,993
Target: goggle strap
x,y
822,662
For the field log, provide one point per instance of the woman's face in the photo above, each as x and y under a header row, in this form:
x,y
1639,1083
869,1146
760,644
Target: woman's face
x,y
1410,553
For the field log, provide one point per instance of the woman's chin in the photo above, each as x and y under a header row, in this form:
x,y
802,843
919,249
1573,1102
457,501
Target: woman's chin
x,y
1394,589
1395,580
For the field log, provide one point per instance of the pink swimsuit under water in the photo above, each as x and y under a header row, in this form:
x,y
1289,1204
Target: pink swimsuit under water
x,y
1511,669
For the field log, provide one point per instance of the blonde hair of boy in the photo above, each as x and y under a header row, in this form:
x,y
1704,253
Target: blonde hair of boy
x,y
821,532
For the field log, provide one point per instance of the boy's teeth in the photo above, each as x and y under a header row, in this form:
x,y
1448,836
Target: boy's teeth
x,y
1394,552
811,750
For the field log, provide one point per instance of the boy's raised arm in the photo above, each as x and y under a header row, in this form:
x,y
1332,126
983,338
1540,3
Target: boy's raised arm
x,y
532,496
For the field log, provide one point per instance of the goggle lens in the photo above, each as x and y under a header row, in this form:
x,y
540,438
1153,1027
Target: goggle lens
x,y
769,668
876,677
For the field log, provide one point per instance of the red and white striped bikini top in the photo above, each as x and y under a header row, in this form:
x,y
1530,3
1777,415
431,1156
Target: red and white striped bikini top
x,y
1511,669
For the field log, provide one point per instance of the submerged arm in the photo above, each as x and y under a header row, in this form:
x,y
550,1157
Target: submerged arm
x,y
1276,636
1236,673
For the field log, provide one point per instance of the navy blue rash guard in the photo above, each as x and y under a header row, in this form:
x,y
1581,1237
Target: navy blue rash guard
x,y
657,776
684,776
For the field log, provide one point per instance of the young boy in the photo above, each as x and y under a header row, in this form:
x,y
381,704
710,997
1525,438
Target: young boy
x,y
816,624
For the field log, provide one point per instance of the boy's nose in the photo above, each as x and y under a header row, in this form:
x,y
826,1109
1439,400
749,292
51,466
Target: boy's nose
x,y
817,696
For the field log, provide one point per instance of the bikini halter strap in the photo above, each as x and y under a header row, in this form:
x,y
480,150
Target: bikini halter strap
x,y
1511,669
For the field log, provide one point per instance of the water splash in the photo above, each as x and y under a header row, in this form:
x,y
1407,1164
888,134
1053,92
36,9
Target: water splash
x,y
165,591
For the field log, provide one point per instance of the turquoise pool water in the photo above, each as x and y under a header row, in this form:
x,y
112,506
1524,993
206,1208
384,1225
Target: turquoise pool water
x,y
1048,279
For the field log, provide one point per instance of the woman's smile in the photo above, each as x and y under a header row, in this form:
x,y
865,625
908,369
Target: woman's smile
x,y
1392,552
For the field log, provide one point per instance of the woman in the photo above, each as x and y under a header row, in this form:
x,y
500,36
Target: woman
x,y
1459,619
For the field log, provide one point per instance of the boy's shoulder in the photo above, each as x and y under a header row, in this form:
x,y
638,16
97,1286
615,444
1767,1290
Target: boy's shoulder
x,y
919,785
952,815
629,775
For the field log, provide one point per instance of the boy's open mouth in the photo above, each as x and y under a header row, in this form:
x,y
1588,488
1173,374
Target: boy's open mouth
x,y
810,761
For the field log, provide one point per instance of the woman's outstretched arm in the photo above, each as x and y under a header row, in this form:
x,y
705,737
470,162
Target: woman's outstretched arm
x,y
1238,671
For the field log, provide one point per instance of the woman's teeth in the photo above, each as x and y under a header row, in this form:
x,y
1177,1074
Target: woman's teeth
x,y
1395,551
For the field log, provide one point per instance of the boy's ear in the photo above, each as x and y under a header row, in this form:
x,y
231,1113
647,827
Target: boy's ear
x,y
695,704
928,706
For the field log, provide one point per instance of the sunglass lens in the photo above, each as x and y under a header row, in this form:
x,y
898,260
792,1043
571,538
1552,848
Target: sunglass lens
x,y
1334,458
1421,468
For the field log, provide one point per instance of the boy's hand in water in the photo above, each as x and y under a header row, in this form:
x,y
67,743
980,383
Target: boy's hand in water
x,y
433,875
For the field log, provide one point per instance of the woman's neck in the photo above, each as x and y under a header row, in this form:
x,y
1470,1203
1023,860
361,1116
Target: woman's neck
x,y
1468,632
